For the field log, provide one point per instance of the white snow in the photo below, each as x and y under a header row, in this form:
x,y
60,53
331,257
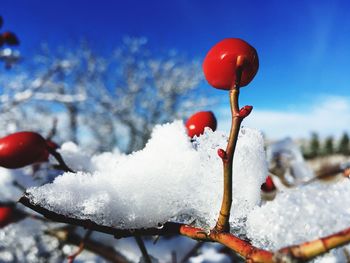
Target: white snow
x,y
169,179
301,214
174,179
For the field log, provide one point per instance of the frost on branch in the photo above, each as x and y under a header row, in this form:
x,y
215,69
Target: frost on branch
x,y
170,180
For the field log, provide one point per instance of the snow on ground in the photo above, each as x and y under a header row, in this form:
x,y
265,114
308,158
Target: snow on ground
x,y
170,179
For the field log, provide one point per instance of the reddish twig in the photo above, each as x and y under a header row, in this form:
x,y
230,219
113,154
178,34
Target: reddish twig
x,y
72,257
222,224
68,236
309,250
300,253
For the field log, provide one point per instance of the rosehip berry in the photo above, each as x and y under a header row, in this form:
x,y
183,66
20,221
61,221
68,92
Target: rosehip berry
x,y
225,58
268,186
198,121
5,215
10,38
20,149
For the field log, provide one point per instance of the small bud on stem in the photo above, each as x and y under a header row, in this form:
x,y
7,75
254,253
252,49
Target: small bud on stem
x,y
222,154
245,111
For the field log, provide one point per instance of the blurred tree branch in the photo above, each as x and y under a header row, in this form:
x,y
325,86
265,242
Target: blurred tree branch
x,y
115,100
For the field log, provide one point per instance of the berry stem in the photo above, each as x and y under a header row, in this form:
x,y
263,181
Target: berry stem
x,y
63,166
222,224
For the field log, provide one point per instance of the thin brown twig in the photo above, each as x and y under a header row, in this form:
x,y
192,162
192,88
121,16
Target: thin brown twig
x,y
18,185
63,166
53,129
173,256
68,236
143,249
72,257
347,255
222,224
309,250
326,173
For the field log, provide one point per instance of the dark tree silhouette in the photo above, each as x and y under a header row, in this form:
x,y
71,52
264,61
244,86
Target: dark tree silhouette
x,y
344,144
328,146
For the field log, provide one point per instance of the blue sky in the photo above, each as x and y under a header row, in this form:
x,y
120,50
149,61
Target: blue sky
x,y
303,46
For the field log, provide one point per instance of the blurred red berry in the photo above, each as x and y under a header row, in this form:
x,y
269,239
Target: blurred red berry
x,y
268,186
223,59
20,149
2,41
6,213
198,121
10,38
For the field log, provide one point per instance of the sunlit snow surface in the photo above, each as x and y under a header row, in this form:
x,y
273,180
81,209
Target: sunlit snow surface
x,y
170,179
302,214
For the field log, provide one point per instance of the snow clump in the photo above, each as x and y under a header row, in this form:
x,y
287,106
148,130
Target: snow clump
x,y
170,179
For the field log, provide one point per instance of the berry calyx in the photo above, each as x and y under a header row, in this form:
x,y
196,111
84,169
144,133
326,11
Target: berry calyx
x,y
49,144
225,59
22,148
269,185
197,122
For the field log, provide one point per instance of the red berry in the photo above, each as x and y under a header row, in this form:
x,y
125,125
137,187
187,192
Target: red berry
x,y
10,38
5,215
223,59
20,149
268,186
198,121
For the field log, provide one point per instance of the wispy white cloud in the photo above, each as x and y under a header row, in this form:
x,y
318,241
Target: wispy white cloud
x,y
327,115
